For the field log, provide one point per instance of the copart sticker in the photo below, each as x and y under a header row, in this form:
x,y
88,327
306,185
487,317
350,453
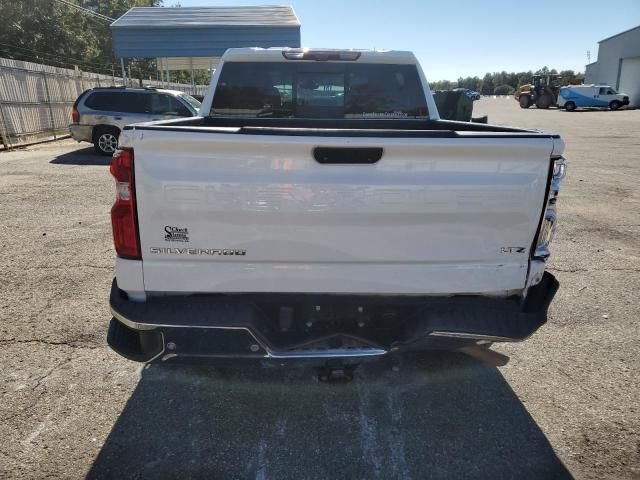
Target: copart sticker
x,y
176,234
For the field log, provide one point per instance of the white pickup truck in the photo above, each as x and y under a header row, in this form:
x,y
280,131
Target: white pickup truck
x,y
319,209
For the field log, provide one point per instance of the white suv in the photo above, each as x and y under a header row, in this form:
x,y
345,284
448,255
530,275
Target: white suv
x,y
100,114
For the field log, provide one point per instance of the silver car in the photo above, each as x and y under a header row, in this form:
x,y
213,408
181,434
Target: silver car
x,y
100,114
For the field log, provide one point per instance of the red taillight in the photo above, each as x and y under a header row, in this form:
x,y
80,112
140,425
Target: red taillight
x,y
124,221
75,115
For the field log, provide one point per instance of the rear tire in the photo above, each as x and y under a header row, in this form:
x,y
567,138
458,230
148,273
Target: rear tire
x,y
570,106
544,101
615,105
105,140
525,101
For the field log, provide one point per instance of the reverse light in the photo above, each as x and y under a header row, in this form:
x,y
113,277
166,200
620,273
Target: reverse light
x,y
123,191
559,172
124,221
548,225
547,232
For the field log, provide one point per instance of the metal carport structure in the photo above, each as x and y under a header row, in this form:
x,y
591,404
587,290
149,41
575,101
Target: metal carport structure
x,y
195,37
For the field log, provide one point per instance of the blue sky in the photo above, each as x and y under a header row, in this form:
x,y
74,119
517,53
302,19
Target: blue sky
x,y
463,37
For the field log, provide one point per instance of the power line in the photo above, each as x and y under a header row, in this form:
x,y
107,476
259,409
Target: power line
x,y
46,54
60,64
100,21
37,57
105,69
34,55
65,59
87,11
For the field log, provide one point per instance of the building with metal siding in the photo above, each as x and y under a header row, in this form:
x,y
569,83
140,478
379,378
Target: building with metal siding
x,y
618,64
202,34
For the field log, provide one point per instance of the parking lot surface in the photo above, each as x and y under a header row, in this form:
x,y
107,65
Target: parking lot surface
x,y
567,405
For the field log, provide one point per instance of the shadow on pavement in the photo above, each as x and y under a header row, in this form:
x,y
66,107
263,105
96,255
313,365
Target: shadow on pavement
x,y
440,416
85,156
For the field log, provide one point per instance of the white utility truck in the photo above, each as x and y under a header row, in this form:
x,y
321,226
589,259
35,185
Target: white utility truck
x,y
318,209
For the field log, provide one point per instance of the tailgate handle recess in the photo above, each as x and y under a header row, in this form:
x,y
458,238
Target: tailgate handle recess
x,y
347,155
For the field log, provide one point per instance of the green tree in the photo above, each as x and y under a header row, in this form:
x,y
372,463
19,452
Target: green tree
x,y
487,85
569,77
50,32
497,82
472,83
504,89
442,85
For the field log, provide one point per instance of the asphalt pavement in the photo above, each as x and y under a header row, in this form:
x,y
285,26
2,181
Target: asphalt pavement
x,y
565,406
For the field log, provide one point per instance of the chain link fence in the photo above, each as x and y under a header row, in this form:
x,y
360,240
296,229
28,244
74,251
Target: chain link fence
x,y
36,100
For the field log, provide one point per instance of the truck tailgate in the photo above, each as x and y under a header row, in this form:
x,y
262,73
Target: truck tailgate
x,y
229,212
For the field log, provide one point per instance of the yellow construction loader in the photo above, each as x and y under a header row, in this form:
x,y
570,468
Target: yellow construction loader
x,y
541,92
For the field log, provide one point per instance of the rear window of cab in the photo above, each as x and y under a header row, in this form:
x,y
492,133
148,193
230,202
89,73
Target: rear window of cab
x,y
333,90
